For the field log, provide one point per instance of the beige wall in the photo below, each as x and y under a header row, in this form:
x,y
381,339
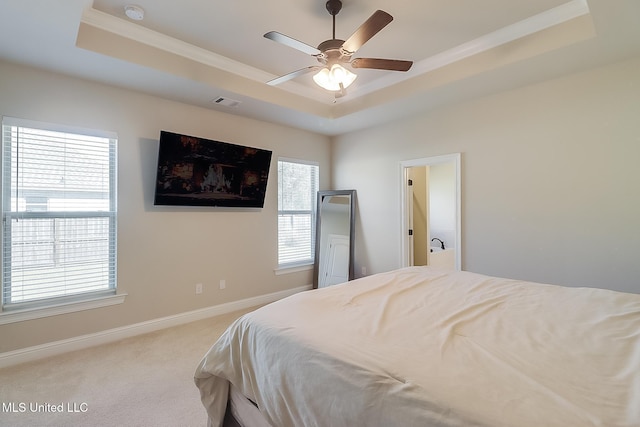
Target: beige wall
x,y
550,180
162,252
551,190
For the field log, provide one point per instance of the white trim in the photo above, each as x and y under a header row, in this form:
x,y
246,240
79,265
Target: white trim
x,y
293,269
56,127
301,161
63,308
30,354
547,19
136,32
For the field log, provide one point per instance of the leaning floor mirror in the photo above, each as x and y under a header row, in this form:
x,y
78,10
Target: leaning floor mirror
x,y
335,233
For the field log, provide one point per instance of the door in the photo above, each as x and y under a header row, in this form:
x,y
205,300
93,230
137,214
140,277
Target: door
x,y
336,268
452,235
418,211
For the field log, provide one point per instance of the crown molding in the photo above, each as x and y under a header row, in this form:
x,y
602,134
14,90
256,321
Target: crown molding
x,y
547,19
141,34
133,31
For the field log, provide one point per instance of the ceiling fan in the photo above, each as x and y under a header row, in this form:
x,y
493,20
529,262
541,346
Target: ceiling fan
x,y
335,52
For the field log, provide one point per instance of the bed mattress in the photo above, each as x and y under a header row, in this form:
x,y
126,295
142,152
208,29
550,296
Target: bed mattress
x,y
426,347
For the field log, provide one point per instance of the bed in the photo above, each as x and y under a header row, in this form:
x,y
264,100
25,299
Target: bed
x,y
427,347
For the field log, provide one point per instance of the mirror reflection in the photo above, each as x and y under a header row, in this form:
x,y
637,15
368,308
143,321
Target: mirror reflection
x,y
334,238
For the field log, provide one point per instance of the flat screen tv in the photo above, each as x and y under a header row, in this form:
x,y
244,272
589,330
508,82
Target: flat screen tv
x,y
195,171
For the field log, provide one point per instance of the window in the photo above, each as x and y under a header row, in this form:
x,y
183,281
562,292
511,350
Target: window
x,y
297,192
59,214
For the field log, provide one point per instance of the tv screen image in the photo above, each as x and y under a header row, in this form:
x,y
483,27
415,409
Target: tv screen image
x,y
195,171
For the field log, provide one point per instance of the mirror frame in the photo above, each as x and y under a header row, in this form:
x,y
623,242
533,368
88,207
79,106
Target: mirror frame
x,y
352,220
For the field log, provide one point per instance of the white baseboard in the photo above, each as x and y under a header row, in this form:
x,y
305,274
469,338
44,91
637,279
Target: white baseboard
x,y
30,354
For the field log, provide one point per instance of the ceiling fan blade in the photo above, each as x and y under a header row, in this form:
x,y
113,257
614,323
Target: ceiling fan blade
x,y
382,64
291,42
370,28
293,75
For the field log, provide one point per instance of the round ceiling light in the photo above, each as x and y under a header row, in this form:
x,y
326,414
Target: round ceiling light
x,y
134,12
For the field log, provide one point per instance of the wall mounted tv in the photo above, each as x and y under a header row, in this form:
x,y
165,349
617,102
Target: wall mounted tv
x,y
195,171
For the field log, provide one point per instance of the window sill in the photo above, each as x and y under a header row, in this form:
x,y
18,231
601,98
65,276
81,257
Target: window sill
x,y
292,269
54,310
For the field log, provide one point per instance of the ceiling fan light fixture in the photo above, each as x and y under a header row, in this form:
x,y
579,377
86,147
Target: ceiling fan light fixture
x,y
335,79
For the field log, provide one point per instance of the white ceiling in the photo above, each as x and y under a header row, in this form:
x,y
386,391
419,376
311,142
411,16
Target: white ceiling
x,y
197,50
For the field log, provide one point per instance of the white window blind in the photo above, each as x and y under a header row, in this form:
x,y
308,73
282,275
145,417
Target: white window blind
x,y
59,213
297,192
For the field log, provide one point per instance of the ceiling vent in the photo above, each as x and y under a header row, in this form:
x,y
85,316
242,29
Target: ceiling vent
x,y
227,102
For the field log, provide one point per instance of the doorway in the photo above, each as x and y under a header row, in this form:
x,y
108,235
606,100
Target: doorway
x,y
430,210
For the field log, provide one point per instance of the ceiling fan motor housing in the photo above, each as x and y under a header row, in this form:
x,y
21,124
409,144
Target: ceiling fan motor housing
x,y
332,52
337,52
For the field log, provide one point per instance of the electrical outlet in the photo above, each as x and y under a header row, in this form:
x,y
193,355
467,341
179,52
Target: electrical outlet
x,y
198,288
223,284
364,271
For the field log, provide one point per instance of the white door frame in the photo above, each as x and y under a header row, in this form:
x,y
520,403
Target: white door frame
x,y
405,204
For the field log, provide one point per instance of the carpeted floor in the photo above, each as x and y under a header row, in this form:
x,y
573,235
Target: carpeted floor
x,y
140,381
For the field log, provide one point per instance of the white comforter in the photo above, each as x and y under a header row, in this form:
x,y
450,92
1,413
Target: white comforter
x,y
423,347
